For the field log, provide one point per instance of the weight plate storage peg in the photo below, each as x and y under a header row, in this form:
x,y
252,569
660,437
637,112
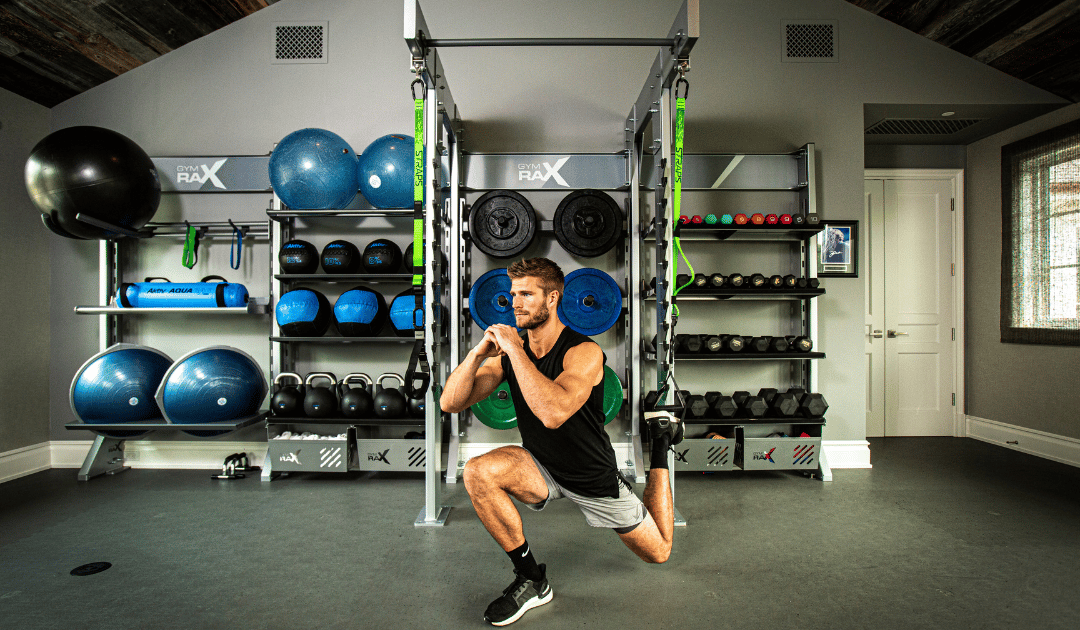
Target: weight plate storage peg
x,y
502,223
588,223
497,410
489,300
592,301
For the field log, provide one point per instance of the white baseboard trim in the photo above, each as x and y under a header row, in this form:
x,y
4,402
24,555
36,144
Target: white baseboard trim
x,y
24,461
839,453
847,453
69,454
1058,448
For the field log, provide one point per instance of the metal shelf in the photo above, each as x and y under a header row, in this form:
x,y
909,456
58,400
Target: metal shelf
x,y
389,422
255,306
693,295
162,425
344,339
356,213
760,233
769,421
344,277
743,356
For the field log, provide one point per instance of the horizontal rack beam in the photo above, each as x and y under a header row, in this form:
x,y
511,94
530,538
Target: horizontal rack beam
x,y
793,420
344,339
162,425
549,41
279,215
743,356
253,308
739,294
390,422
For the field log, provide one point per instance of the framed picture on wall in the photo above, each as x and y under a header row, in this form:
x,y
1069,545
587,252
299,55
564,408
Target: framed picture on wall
x,y
838,249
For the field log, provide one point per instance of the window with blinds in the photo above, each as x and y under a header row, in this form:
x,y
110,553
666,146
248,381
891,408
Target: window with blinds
x,y
1040,249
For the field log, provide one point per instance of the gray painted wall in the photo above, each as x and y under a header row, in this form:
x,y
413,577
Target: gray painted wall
x,y
915,156
221,95
24,257
1032,386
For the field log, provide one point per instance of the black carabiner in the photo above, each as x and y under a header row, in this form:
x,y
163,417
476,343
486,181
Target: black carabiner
x,y
412,88
686,84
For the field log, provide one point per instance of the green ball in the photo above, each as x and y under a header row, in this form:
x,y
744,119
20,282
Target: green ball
x,y
710,219
727,219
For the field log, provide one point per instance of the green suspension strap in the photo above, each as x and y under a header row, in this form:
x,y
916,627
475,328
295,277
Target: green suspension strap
x,y
417,376
676,183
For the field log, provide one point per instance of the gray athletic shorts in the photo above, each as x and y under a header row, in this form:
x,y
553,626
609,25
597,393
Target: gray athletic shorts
x,y
623,513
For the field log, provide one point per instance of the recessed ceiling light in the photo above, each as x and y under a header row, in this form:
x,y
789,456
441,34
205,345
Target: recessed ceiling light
x,y
948,113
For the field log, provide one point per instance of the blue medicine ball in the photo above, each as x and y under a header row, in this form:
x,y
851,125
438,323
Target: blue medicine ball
x,y
360,312
212,384
386,172
303,313
314,168
118,385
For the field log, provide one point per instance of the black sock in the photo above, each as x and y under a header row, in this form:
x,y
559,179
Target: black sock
x,y
525,562
660,446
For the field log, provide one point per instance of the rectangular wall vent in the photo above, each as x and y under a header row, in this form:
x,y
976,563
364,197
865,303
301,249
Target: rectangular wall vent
x,y
804,41
300,42
920,126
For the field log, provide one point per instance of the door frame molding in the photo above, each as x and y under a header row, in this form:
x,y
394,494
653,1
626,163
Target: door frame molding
x,y
957,177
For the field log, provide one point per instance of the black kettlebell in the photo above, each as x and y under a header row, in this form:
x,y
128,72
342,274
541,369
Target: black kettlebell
x,y
389,403
356,401
320,402
288,399
416,407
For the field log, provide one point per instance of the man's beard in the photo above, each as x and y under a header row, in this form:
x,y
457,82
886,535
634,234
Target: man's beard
x,y
536,320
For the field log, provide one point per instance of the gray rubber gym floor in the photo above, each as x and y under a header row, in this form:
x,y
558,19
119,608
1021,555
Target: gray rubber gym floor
x,y
942,533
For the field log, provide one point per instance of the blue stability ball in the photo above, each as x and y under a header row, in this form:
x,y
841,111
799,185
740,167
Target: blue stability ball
x,y
386,172
303,313
95,172
360,312
212,384
118,385
313,168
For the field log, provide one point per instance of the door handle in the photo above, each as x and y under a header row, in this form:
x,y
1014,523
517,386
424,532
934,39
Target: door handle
x,y
893,334
876,334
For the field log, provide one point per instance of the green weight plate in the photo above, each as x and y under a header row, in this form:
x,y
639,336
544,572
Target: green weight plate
x,y
497,410
613,394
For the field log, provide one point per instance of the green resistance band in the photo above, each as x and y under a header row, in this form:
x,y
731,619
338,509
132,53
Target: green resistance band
x,y
676,184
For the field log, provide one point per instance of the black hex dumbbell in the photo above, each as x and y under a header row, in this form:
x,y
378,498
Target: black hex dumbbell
x,y
784,405
717,280
696,406
812,406
721,406
799,343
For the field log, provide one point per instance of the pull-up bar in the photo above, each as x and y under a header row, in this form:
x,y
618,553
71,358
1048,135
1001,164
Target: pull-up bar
x,y
551,41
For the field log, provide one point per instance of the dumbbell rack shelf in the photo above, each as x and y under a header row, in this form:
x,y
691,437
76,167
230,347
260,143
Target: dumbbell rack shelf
x,y
743,356
770,421
695,295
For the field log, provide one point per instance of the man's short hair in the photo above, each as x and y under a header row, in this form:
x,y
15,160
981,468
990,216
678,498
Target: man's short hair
x,y
548,275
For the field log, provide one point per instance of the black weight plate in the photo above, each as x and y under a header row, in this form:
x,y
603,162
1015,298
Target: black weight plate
x,y
502,223
588,223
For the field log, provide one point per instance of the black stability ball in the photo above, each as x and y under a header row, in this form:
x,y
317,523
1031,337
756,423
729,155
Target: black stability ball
x,y
95,172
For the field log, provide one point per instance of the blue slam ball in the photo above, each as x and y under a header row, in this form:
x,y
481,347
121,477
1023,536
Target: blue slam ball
x,y
303,313
386,172
313,168
360,312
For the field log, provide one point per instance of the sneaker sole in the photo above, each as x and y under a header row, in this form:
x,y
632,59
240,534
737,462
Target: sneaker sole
x,y
526,607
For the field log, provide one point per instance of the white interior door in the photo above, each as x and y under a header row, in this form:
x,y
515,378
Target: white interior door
x,y
919,320
874,239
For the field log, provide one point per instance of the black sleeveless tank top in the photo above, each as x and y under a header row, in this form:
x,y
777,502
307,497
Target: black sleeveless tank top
x,y
578,454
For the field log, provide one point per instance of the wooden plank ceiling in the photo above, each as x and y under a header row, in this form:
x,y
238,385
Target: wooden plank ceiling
x,y
51,50
1036,41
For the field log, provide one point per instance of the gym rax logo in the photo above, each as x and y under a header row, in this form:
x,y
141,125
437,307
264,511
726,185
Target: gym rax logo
x,y
291,458
680,456
766,456
187,174
379,457
531,172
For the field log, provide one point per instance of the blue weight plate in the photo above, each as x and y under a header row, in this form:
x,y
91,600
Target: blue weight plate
x,y
490,301
592,301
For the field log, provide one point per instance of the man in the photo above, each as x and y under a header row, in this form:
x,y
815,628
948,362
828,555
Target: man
x,y
555,376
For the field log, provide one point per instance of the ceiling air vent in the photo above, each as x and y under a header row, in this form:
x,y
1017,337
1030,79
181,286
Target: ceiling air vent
x,y
920,126
808,41
300,42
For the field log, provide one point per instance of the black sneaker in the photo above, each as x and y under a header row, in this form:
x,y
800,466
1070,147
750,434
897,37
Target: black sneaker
x,y
519,597
661,422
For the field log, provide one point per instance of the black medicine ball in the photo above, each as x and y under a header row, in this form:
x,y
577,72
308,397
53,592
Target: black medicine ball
x,y
381,256
340,257
407,261
298,257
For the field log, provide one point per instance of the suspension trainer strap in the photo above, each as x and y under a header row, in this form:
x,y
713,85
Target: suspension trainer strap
x,y
676,179
417,376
